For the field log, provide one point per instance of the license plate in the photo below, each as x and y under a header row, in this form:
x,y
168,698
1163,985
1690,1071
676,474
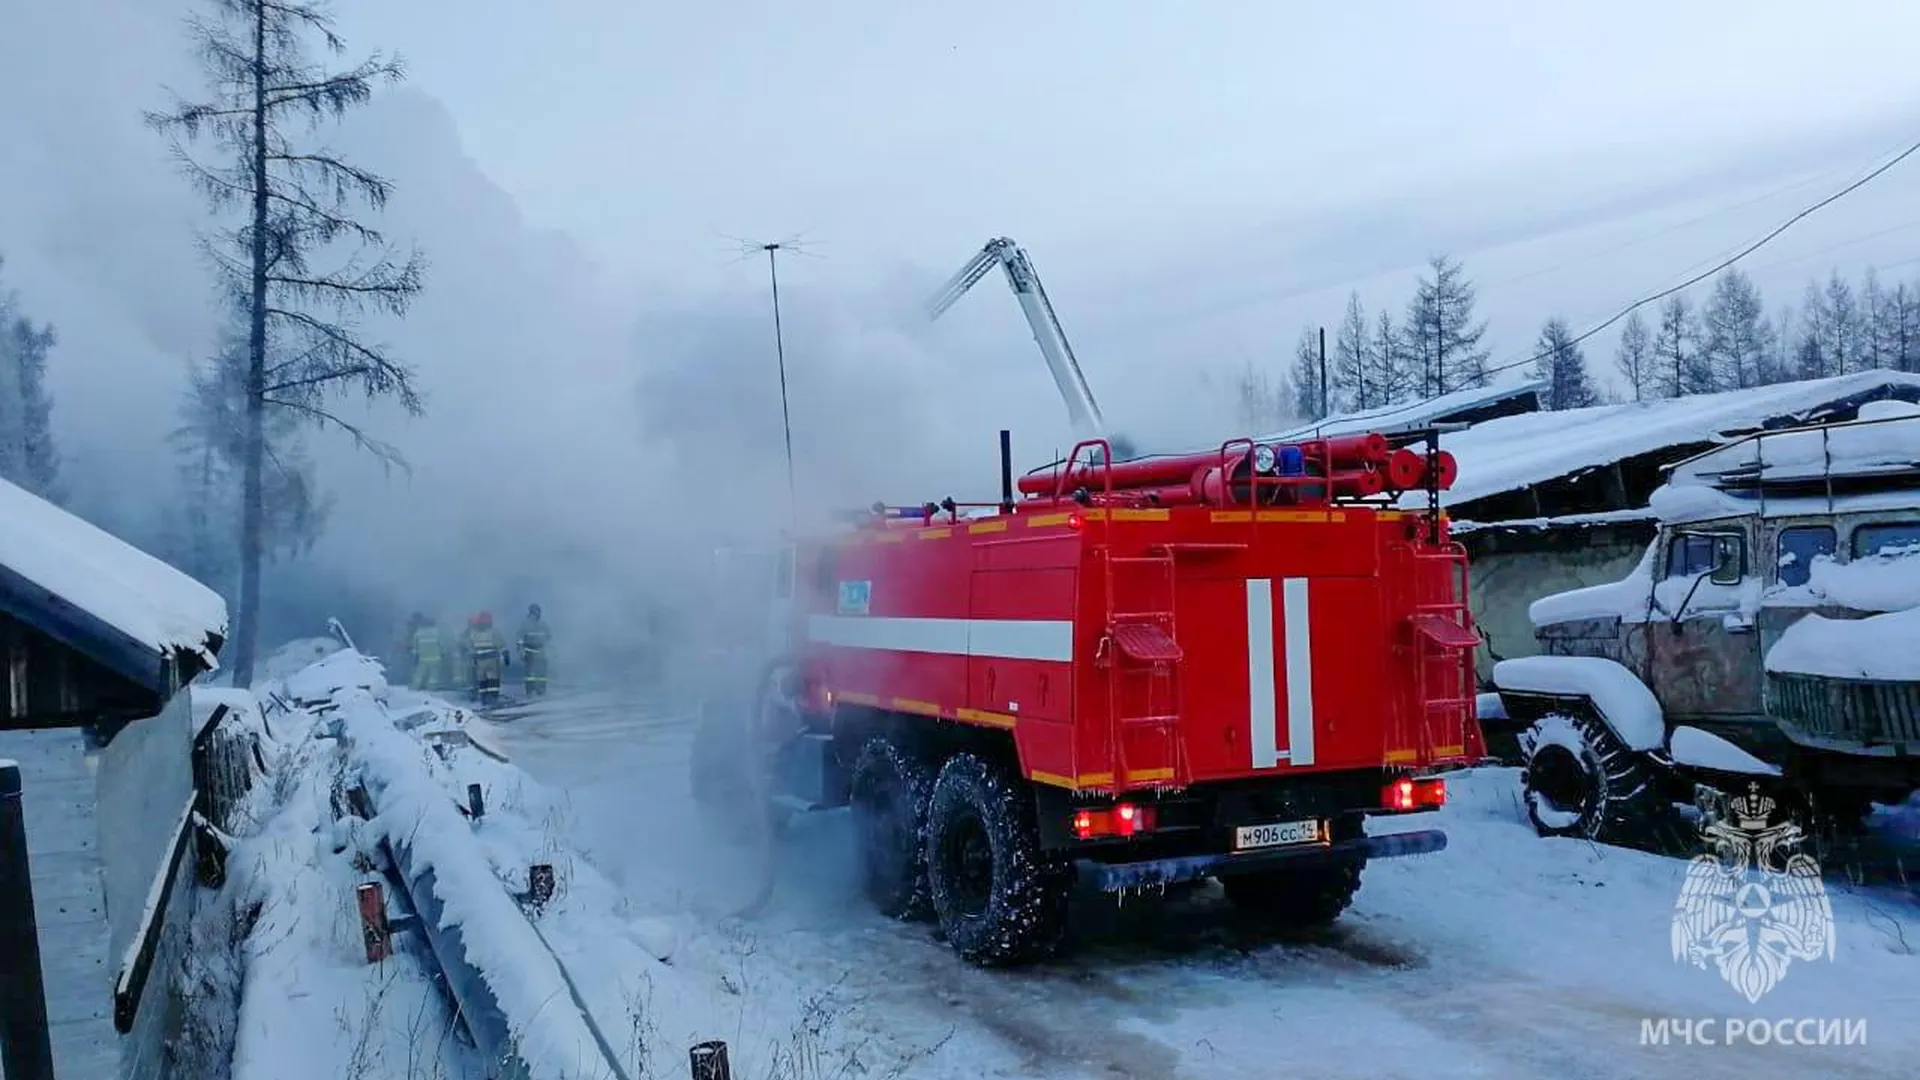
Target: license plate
x,y
1280,834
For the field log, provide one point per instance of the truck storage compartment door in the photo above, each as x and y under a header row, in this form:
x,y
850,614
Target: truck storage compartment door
x,y
1289,673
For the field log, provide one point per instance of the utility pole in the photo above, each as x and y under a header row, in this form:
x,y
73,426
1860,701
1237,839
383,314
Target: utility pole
x,y
1326,407
780,351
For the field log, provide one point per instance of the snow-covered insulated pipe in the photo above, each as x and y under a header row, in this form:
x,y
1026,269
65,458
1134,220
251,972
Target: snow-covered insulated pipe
x,y
517,1000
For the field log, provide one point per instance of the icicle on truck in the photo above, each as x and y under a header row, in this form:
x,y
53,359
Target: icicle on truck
x,y
1162,670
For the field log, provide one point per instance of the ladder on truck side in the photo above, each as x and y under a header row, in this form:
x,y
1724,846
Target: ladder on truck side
x,y
1444,640
1142,655
1139,646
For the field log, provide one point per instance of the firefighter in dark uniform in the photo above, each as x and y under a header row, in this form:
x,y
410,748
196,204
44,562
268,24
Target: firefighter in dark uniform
x,y
533,652
489,651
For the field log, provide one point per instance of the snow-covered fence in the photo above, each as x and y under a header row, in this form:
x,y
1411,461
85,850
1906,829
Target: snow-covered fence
x,y
512,990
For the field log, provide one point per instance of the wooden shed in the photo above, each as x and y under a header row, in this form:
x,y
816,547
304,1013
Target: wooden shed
x,y
99,641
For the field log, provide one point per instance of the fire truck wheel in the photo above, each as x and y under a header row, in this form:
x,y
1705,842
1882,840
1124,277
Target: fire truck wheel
x,y
1305,897
1582,781
889,796
999,900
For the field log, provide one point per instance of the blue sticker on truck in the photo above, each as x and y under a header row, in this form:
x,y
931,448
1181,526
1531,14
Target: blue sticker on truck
x,y
855,597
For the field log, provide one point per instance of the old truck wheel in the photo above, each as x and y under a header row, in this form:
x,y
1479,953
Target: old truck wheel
x,y
1310,896
890,793
998,899
1582,781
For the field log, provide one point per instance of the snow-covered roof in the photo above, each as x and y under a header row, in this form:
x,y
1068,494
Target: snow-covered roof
x,y
107,578
1514,452
1879,447
1407,416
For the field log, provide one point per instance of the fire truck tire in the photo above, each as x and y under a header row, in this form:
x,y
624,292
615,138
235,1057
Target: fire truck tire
x,y
1307,897
1580,780
1000,901
890,791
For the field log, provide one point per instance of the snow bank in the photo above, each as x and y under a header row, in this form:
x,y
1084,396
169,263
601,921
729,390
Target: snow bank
x,y
1705,750
416,814
311,1007
1626,703
108,578
1878,647
294,657
1884,582
345,670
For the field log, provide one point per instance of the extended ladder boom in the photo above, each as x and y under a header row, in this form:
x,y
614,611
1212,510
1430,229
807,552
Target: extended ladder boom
x,y
1082,410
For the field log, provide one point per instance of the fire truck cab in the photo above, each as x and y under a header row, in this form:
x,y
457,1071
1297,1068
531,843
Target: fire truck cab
x,y
1135,674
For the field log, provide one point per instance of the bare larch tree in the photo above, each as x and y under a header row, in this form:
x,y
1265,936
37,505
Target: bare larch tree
x,y
283,206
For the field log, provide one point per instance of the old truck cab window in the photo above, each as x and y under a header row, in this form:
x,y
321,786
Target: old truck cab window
x,y
1690,554
1721,554
1799,546
1885,538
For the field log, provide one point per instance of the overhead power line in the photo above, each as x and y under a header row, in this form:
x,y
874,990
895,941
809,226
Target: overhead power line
x,y
1722,265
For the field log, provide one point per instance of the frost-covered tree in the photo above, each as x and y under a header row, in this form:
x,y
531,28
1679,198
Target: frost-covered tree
x,y
1679,367
1260,401
1893,325
1310,397
1779,365
1394,377
28,456
1563,367
1634,357
210,447
1873,303
1355,375
287,245
1441,338
1736,336
1842,337
1815,354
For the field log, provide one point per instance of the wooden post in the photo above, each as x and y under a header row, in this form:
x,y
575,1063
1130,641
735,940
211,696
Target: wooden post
x,y
540,883
708,1061
476,803
373,921
26,1047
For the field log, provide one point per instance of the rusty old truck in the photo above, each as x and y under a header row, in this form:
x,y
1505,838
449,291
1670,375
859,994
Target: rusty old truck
x,y
1770,636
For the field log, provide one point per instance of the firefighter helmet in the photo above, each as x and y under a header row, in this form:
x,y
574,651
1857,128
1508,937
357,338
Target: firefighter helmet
x,y
533,610
485,618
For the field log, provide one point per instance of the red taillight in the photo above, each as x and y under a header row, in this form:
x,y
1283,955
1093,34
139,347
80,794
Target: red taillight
x,y
1407,793
1398,795
1122,819
1075,521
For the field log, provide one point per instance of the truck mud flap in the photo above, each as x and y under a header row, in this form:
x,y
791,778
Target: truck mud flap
x,y
1151,873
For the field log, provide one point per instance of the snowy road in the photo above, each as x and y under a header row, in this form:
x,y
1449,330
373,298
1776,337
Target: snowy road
x,y
1504,957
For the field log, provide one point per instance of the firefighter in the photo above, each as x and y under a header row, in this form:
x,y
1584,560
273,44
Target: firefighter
x,y
533,652
428,670
489,659
462,681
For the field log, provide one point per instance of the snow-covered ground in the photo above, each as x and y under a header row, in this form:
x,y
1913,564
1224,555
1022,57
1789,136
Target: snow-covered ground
x,y
1504,956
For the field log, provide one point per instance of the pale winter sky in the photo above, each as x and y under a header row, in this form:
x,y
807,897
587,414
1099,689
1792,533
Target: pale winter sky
x,y
1195,182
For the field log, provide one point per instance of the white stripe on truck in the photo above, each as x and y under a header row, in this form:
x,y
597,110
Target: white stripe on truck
x,y
1260,686
1006,639
1299,646
1263,686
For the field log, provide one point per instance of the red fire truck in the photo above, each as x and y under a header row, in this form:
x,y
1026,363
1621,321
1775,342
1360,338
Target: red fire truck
x,y
1132,675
